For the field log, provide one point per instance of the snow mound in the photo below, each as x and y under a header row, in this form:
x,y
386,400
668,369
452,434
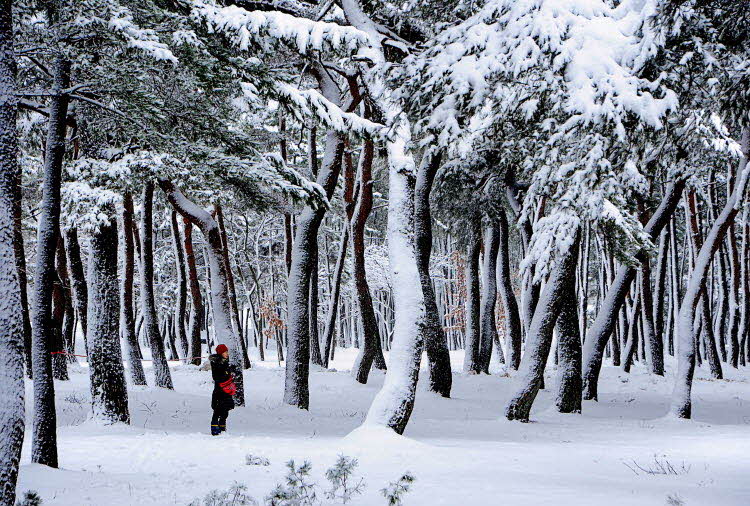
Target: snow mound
x,y
379,439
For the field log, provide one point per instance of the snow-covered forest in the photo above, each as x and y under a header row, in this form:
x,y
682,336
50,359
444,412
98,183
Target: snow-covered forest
x,y
415,226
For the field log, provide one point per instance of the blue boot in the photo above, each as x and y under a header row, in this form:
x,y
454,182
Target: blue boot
x,y
223,428
215,430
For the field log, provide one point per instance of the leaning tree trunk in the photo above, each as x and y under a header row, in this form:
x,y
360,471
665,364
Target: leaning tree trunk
x,y
181,308
44,445
488,328
569,383
539,341
438,358
148,306
222,309
601,329
196,315
474,247
296,390
129,336
11,320
370,349
512,317
109,395
78,279
681,402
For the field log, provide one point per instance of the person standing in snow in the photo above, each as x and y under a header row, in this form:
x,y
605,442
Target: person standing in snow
x,y
224,388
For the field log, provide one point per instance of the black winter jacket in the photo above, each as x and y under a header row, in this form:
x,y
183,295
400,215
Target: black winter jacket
x,y
220,370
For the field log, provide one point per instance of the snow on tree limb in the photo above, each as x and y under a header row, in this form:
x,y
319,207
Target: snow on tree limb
x,y
256,28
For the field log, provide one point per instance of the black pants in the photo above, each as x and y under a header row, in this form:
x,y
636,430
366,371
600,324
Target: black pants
x,y
220,417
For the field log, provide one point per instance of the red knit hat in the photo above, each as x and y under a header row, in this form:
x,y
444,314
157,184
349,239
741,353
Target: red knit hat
x,y
221,349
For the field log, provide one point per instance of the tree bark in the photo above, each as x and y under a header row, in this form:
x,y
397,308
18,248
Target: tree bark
x,y
438,358
109,394
681,396
370,350
654,344
44,445
539,340
181,308
222,312
601,329
129,336
488,328
474,247
508,297
150,321
78,279
20,253
333,302
63,314
230,286
196,315
569,382
12,330
296,391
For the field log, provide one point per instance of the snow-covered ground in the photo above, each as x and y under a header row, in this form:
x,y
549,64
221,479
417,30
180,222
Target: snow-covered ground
x,y
461,450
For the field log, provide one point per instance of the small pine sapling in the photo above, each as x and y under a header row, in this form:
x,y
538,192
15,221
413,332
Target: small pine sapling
x,y
30,498
340,476
298,490
395,491
236,495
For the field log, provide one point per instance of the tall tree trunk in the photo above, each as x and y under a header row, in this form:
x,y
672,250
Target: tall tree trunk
x,y
539,340
230,286
12,329
150,321
129,336
488,328
659,296
181,308
60,302
315,355
569,382
601,329
296,392
109,395
333,302
68,330
44,445
20,252
508,297
681,396
222,311
371,350
438,358
654,344
474,247
196,315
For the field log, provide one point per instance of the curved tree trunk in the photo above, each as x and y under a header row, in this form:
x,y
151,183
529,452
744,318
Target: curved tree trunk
x,y
44,444
129,336
222,310
438,358
109,395
370,350
150,320
512,317
296,391
12,330
681,396
488,328
601,329
539,340
196,315
474,247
